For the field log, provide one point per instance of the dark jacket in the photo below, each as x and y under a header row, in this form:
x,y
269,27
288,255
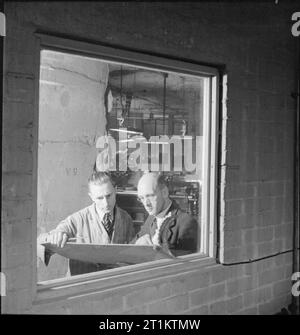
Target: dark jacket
x,y
179,232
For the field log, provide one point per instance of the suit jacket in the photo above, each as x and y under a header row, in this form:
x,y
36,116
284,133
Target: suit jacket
x,y
179,232
86,227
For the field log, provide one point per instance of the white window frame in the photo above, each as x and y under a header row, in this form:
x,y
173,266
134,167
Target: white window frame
x,y
95,282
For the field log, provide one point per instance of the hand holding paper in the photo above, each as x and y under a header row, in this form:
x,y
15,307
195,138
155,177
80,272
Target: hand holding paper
x,y
57,238
144,240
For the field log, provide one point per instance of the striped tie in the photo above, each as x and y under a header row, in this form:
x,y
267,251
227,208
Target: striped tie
x,y
108,224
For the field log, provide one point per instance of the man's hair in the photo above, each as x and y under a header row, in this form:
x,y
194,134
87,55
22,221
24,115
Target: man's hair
x,y
99,178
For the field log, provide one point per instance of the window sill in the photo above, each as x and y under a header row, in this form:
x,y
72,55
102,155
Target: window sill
x,y
95,283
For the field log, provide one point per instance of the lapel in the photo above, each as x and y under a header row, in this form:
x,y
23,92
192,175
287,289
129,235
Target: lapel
x,y
152,226
98,233
118,226
168,224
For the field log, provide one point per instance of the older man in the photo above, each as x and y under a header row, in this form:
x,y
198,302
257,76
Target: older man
x,y
102,223
167,225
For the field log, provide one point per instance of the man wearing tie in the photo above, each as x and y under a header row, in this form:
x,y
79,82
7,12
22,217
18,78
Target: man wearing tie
x,y
102,223
167,225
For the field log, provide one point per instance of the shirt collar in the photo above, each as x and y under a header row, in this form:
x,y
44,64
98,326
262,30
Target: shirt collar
x,y
165,211
101,214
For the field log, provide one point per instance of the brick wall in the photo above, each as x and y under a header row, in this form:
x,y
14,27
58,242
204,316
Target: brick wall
x,y
254,42
259,288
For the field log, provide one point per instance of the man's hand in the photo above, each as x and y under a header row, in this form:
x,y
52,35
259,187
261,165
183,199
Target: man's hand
x,y
57,238
162,248
144,240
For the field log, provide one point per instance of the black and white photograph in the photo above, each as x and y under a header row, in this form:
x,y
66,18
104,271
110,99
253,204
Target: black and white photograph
x,y
150,160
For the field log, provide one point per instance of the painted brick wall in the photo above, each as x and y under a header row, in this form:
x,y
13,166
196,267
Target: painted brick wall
x,y
259,288
255,44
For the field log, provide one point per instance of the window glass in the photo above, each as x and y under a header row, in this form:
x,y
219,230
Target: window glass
x,y
96,114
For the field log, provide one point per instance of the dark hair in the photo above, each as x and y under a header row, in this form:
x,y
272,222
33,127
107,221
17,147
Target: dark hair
x,y
100,177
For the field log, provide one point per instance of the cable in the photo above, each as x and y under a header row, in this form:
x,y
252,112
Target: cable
x,y
258,259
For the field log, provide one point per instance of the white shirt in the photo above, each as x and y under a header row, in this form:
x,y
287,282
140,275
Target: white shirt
x,y
101,214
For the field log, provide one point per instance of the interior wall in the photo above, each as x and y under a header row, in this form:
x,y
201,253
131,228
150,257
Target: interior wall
x,y
255,43
71,118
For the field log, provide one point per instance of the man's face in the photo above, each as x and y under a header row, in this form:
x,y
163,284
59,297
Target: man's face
x,y
104,196
152,197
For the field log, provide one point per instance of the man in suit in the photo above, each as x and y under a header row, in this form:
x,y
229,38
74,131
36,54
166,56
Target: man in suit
x,y
167,225
103,222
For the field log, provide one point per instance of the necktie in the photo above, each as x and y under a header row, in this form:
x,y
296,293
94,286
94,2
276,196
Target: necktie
x,y
156,235
153,226
108,224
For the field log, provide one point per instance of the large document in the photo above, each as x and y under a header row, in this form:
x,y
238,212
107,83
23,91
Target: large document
x,y
109,253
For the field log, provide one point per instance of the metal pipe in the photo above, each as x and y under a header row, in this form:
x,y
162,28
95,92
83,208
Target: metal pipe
x,y
164,102
296,234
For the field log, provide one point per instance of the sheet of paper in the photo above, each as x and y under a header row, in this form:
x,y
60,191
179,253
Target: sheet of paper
x,y
110,253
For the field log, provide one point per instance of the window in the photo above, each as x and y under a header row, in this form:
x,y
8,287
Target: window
x,y
127,113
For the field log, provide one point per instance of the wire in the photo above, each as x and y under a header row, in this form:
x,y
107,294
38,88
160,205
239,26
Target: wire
x,y
258,259
164,102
